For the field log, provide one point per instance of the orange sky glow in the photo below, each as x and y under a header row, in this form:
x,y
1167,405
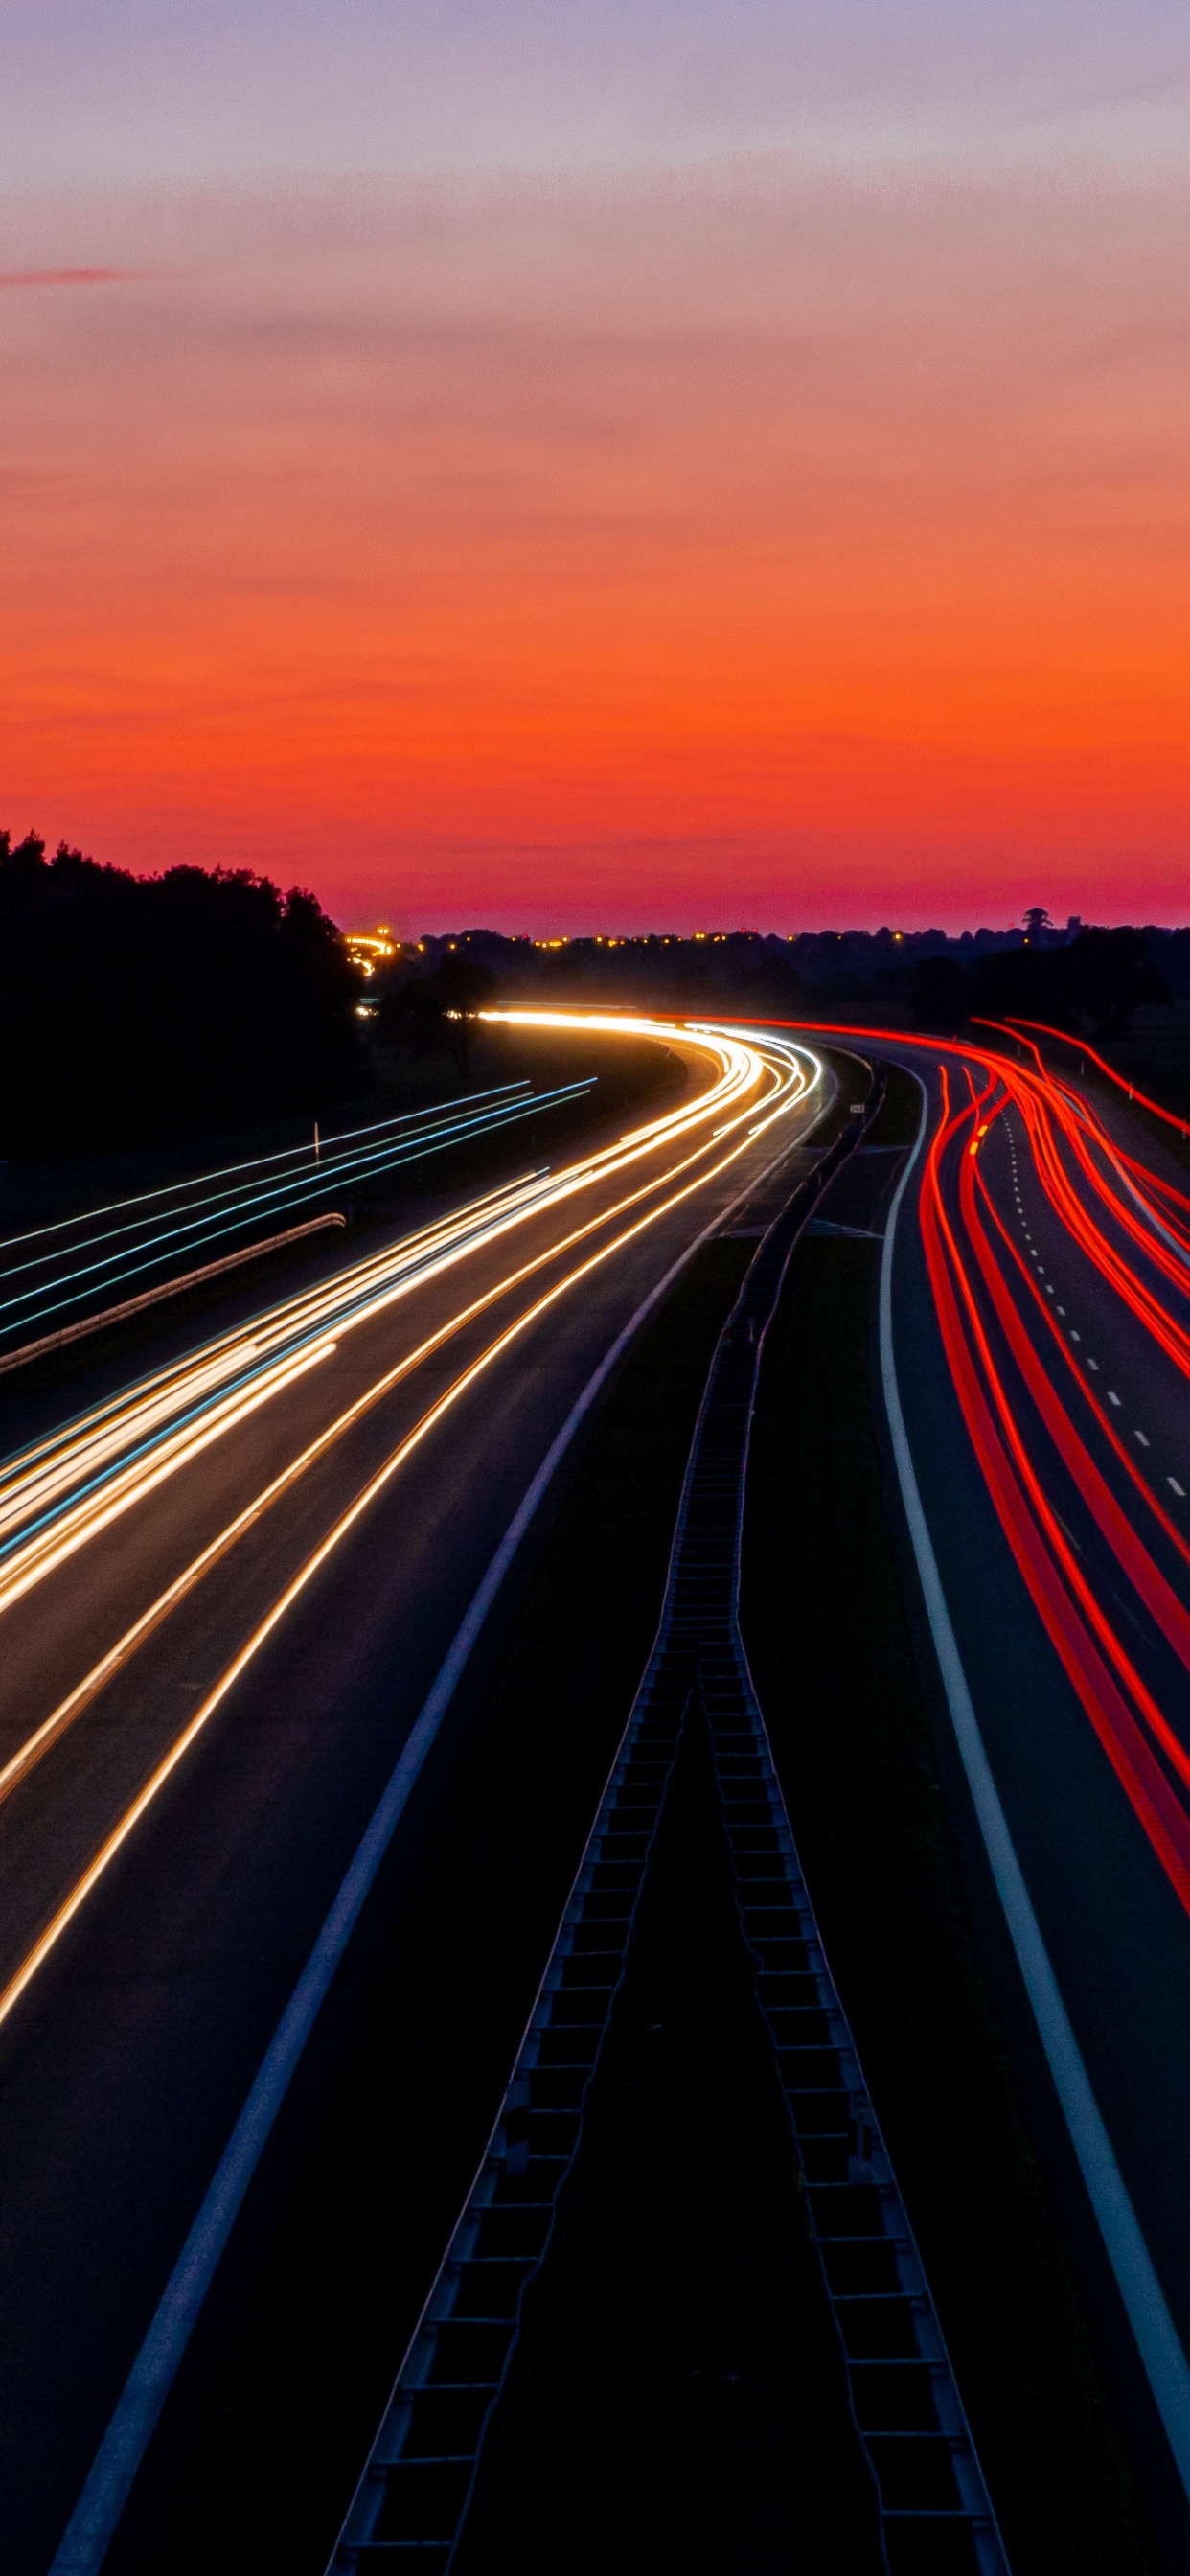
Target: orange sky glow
x,y
716,547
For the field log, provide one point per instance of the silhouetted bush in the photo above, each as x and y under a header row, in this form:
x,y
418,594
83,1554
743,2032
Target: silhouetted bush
x,y
938,993
433,1011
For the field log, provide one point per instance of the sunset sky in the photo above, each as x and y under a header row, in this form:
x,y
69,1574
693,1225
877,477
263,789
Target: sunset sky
x,y
675,463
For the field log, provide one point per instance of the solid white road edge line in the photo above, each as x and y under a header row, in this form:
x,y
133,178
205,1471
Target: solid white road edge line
x,y
92,2525
1144,2299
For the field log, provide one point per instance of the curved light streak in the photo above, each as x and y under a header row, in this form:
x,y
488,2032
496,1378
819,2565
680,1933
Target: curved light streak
x,y
51,1728
63,1491
1153,1106
1125,1222
189,1229
1110,1689
792,1082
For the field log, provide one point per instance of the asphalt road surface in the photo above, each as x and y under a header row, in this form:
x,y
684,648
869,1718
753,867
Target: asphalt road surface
x,y
1036,1358
224,1594
1039,1313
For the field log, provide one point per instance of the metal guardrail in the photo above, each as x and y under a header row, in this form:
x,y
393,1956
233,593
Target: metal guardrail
x,y
934,2514
110,1315
51,1269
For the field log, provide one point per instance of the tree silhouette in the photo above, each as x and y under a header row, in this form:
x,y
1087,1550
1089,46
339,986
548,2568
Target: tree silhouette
x,y
133,1008
436,1012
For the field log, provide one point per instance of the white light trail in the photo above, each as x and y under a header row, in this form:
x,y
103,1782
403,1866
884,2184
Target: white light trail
x,y
795,1084
58,1494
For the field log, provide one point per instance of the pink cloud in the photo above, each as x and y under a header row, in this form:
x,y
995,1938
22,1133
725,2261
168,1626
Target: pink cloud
x,y
67,276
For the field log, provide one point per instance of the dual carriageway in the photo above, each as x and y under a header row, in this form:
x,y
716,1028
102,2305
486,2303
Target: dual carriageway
x,y
230,1590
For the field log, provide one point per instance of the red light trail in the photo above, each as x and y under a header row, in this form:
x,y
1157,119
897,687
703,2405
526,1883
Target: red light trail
x,y
1119,1704
1032,1415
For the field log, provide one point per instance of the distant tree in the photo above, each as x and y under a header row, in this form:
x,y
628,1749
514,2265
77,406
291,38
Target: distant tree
x,y
136,1007
1096,979
436,1012
1020,983
407,1018
1109,975
462,989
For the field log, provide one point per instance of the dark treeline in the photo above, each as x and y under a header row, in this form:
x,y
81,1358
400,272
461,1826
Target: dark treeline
x,y
137,1008
1084,979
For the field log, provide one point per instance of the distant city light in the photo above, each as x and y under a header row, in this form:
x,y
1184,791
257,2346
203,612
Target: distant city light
x,y
368,948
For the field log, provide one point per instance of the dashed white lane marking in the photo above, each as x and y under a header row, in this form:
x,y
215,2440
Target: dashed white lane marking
x,y
1112,1397
1179,1490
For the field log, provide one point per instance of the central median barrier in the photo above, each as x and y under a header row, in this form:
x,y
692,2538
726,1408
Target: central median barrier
x,y
447,2478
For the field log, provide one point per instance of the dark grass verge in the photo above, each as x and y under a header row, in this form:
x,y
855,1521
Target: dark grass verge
x,y
280,2396
898,1121
831,1657
1156,1058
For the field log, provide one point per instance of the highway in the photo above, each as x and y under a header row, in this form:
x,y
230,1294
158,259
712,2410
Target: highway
x,y
225,1592
1036,1348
